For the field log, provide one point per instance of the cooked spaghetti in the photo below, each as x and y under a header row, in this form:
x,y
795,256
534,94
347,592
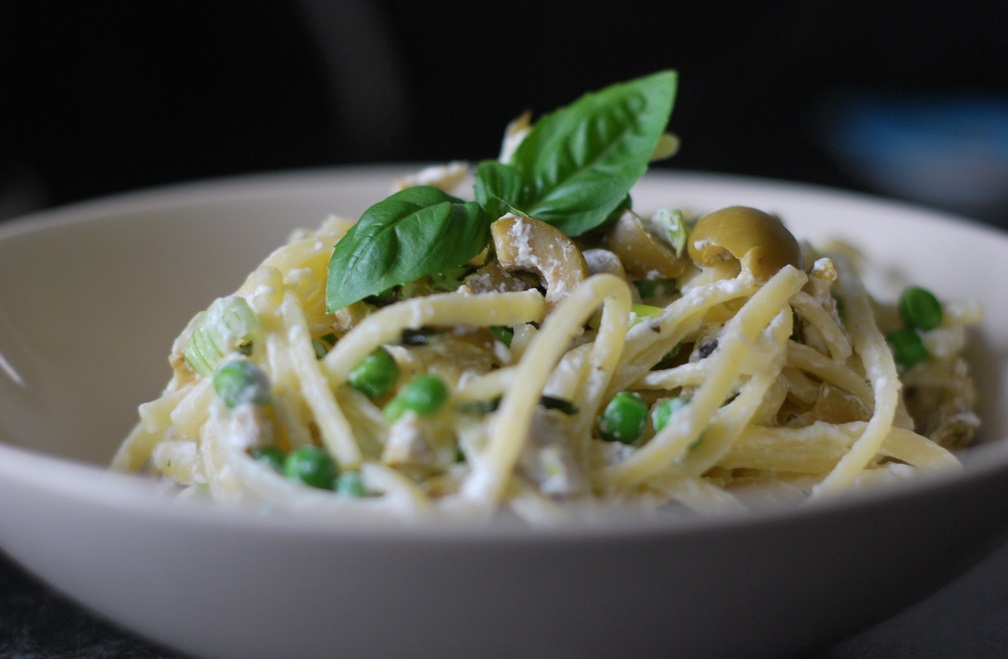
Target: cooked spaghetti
x,y
655,361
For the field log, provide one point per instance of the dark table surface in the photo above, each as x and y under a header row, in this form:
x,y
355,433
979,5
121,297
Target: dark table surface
x,y
968,618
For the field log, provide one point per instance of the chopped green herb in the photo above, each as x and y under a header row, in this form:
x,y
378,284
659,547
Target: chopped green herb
x,y
668,361
559,404
907,347
920,308
478,407
504,334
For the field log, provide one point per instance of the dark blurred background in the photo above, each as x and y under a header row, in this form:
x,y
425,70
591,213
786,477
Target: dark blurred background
x,y
900,98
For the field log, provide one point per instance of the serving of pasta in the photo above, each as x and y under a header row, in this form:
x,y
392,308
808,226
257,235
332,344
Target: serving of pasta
x,y
549,351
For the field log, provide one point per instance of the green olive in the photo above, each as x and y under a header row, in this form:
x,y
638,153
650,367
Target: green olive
x,y
643,254
523,243
758,240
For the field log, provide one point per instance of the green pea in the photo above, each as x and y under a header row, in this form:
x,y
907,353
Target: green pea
x,y
907,347
920,308
424,395
312,466
376,375
271,456
349,484
665,409
623,419
240,382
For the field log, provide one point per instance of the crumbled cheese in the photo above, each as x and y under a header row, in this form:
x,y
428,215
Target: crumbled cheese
x,y
963,312
944,341
521,237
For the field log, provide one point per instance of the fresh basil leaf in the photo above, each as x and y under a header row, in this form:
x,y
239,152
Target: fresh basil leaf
x,y
498,188
580,161
415,232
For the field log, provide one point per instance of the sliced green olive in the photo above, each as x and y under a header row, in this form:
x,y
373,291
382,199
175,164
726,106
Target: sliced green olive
x,y
523,243
643,254
758,240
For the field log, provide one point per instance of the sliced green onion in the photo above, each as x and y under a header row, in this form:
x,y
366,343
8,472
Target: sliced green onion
x,y
669,225
228,325
639,312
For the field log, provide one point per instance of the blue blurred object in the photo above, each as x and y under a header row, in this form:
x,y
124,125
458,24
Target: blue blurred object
x,y
947,151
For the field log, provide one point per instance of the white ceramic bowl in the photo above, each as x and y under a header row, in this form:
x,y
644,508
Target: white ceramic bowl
x,y
92,296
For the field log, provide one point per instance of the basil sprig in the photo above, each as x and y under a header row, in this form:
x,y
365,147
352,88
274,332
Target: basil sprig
x,y
579,162
415,232
573,170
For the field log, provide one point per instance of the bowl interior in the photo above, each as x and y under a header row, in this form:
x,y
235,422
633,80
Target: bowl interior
x,y
95,293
